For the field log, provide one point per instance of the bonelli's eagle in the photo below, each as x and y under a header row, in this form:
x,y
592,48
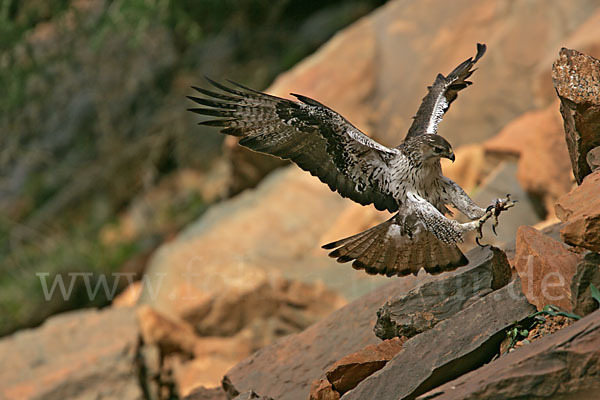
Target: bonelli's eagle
x,y
406,180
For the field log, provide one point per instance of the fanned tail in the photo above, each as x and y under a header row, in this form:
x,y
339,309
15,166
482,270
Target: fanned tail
x,y
391,248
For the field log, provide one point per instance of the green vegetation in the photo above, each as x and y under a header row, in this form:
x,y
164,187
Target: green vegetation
x,y
520,331
595,293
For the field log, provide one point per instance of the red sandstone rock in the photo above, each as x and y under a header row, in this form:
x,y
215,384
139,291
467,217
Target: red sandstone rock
x,y
546,268
580,212
350,370
576,77
454,346
563,365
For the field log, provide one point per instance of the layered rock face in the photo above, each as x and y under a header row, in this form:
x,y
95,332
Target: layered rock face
x,y
576,77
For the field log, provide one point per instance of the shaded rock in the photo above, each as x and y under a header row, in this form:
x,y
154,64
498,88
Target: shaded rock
x,y
322,389
546,268
537,138
593,158
576,78
563,365
76,355
588,271
349,371
451,348
286,369
580,212
170,335
206,394
425,306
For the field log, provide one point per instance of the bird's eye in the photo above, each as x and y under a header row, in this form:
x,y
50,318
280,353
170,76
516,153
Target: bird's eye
x,y
437,150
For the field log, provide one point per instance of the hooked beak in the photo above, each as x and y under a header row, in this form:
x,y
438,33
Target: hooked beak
x,y
451,156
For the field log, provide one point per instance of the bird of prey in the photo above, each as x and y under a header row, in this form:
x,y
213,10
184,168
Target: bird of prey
x,y
406,180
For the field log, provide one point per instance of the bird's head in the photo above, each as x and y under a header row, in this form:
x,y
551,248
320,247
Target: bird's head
x,y
433,147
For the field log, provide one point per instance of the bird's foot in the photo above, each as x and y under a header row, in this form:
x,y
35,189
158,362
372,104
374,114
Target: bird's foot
x,y
494,211
499,206
488,214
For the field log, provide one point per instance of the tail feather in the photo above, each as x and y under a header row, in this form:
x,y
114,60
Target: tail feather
x,y
387,249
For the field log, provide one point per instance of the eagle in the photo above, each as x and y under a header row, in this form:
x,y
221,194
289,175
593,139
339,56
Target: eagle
x,y
406,180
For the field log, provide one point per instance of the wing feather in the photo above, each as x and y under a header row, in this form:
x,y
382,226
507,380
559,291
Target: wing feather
x,y
441,94
309,133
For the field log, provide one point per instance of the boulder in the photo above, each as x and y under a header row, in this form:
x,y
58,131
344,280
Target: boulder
x,y
430,303
576,78
552,230
563,365
76,355
537,139
546,268
453,347
350,370
580,212
286,369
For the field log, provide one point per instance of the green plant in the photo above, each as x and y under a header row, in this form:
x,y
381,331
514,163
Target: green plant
x,y
519,331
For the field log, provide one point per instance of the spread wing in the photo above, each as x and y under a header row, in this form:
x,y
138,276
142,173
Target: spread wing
x,y
312,135
441,94
417,237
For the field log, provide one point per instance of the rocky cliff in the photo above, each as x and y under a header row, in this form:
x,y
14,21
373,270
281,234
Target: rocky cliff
x,y
243,304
